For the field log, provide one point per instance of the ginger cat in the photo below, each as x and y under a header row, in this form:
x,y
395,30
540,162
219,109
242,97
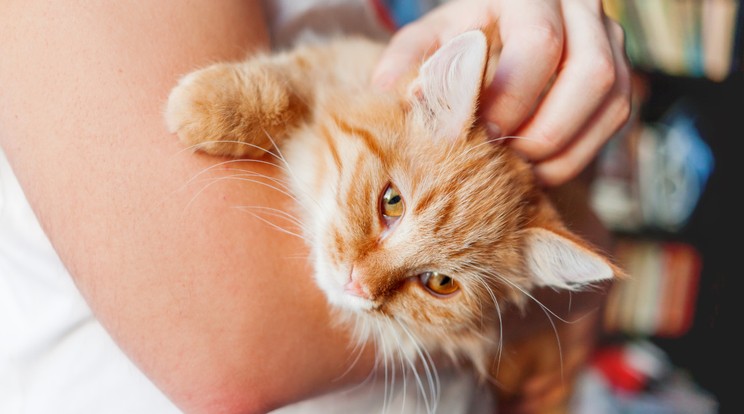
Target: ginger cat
x,y
422,231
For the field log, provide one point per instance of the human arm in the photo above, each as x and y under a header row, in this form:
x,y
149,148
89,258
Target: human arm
x,y
199,294
561,85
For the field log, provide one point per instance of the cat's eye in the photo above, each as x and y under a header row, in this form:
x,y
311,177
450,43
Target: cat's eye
x,y
391,204
439,284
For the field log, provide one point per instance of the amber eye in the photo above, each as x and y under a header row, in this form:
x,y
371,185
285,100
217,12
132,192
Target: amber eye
x,y
392,203
439,284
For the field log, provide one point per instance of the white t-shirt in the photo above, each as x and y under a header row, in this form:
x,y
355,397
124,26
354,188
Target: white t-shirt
x,y
56,358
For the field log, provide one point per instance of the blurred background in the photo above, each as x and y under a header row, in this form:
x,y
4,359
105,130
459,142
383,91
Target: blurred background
x,y
668,187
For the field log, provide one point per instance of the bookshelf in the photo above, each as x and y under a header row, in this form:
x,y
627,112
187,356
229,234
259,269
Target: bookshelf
x,y
696,38
687,60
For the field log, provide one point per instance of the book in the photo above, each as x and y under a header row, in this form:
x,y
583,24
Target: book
x,y
718,30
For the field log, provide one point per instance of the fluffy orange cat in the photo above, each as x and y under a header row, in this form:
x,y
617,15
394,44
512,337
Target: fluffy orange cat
x,y
422,231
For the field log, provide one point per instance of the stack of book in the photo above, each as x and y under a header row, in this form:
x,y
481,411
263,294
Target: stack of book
x,y
697,38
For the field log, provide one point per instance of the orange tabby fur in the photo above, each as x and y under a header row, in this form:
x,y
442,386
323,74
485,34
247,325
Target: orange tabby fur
x,y
472,208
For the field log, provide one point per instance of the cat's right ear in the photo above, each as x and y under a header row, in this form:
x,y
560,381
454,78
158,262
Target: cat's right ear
x,y
556,261
444,95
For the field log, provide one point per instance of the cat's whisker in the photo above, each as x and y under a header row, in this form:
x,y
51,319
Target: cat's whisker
x,y
505,137
284,185
219,164
281,229
275,212
359,350
278,154
468,151
429,369
500,343
417,378
233,161
288,169
203,144
548,313
387,392
241,172
263,183
404,373
401,359
545,309
269,213
215,180
491,141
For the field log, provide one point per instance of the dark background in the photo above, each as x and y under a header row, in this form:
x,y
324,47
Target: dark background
x,y
711,349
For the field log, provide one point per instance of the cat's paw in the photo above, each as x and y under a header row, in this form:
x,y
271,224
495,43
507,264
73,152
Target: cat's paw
x,y
229,109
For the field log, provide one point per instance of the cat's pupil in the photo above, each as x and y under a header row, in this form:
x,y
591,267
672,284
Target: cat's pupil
x,y
394,200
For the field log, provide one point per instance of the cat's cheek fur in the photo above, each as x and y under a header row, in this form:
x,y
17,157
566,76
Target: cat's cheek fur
x,y
314,182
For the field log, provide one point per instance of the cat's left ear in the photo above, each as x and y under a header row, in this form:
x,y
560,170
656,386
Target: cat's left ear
x,y
559,262
445,92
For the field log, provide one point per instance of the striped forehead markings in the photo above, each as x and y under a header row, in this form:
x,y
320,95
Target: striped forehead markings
x,y
364,135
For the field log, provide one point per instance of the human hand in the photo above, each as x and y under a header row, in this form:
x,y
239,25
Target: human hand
x,y
561,87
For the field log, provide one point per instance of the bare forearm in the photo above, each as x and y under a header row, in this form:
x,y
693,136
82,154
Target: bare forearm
x,y
199,294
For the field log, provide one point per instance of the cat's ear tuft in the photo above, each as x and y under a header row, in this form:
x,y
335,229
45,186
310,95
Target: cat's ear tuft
x,y
445,92
559,262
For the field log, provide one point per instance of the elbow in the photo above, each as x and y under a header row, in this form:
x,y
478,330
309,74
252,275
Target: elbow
x,y
228,400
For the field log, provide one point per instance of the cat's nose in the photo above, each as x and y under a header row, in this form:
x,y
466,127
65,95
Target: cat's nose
x,y
353,287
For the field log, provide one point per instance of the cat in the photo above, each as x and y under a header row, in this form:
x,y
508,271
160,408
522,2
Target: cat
x,y
422,230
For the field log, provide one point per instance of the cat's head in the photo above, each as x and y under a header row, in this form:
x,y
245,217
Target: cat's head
x,y
422,227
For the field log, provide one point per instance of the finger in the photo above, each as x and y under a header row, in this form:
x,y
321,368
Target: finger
x,y
406,50
611,116
416,41
581,86
527,27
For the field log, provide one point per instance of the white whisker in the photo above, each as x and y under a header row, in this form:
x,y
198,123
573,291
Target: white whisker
x,y
548,313
275,212
282,229
505,137
429,369
200,145
500,342
387,392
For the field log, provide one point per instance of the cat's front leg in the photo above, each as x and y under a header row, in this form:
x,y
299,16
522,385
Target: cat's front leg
x,y
234,109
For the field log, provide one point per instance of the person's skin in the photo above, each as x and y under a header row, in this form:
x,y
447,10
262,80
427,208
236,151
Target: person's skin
x,y
562,82
216,307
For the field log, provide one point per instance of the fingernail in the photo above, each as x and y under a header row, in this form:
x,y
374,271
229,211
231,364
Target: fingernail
x,y
493,130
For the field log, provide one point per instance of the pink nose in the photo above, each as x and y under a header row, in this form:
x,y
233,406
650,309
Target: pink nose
x,y
353,287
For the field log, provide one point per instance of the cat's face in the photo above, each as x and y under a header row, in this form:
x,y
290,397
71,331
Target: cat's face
x,y
426,231
421,224
417,232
